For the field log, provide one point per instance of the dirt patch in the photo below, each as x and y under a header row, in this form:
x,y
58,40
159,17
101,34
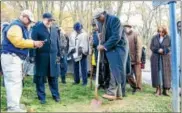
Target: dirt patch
x,y
107,106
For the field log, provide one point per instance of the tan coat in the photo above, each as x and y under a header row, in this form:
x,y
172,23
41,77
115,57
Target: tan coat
x,y
135,45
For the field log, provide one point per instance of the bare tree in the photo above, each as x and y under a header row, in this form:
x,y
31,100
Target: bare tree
x,y
61,8
119,8
39,9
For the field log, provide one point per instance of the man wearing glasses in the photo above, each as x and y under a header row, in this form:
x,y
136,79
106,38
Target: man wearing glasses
x,y
14,51
47,58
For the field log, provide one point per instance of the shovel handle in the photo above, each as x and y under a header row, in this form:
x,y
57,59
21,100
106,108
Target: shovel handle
x,y
97,76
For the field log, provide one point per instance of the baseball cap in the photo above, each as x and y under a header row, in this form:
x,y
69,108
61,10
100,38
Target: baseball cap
x,y
98,12
29,14
48,16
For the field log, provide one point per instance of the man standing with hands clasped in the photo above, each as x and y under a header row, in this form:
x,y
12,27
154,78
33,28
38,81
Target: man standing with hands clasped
x,y
14,50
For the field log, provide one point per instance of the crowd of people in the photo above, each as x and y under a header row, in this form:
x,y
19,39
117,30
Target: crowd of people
x,y
122,56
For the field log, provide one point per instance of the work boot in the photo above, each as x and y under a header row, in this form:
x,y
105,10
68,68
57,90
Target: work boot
x,y
109,97
119,98
165,92
158,91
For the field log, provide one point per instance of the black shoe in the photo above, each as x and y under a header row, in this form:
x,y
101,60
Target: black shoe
x,y
75,83
134,91
84,84
124,95
57,100
42,101
63,82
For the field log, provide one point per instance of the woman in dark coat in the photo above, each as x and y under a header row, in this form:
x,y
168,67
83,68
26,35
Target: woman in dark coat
x,y
161,62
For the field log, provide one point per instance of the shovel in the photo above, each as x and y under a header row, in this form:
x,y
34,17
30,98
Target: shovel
x,y
96,102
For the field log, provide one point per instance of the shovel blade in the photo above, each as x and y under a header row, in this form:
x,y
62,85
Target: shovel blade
x,y
95,104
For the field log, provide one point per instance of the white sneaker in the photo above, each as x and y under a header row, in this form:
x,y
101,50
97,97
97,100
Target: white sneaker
x,y
16,110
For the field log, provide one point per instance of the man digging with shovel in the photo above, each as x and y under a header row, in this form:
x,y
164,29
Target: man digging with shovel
x,y
112,48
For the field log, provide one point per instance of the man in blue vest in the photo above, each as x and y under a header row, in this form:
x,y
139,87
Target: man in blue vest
x,y
14,50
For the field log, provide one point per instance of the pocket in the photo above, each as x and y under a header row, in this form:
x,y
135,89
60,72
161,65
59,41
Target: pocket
x,y
16,59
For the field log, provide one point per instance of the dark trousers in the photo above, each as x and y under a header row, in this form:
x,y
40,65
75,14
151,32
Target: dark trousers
x,y
83,63
135,83
104,75
63,67
53,86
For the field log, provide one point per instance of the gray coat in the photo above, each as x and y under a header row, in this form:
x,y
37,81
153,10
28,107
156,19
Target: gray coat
x,y
166,61
46,58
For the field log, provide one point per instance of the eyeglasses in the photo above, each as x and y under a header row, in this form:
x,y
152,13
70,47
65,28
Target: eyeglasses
x,y
50,20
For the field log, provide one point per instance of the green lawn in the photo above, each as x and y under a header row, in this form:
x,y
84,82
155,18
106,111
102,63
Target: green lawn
x,y
78,99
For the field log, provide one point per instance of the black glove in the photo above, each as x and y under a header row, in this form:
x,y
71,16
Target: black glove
x,y
80,51
58,60
73,51
32,59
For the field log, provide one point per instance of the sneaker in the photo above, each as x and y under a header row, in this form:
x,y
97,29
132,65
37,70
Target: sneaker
x,y
57,100
16,110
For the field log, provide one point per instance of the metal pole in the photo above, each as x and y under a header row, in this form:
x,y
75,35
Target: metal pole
x,y
174,58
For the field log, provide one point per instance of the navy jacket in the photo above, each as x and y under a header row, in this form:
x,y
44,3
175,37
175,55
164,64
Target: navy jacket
x,y
49,53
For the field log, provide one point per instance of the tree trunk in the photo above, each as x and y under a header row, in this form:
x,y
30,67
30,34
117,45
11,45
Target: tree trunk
x,y
120,5
39,9
52,7
46,8
27,5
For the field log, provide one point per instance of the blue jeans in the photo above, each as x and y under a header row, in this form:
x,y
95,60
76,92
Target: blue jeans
x,y
83,63
64,68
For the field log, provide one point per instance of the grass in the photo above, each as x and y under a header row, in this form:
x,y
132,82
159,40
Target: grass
x,y
78,99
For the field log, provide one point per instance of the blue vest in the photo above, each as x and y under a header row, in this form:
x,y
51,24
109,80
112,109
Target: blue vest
x,y
7,46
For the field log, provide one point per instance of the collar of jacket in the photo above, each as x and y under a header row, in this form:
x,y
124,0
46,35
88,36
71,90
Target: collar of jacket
x,y
158,36
46,27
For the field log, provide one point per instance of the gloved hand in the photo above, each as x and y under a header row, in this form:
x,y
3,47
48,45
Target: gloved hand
x,y
80,51
58,60
73,51
32,59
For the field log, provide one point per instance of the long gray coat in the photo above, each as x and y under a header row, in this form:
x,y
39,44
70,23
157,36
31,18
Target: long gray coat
x,y
166,61
45,57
